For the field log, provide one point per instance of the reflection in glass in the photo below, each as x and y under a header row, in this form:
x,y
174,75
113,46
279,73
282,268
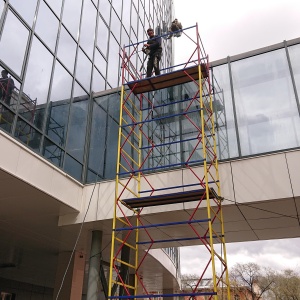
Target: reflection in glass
x,y
102,36
222,91
294,52
9,91
115,25
1,7
55,5
126,18
78,91
57,121
73,167
267,114
27,135
6,118
38,73
83,70
112,146
100,63
71,16
27,107
13,43
113,71
140,31
117,5
52,152
47,25
77,127
103,145
134,19
88,25
124,37
97,142
95,2
25,8
114,105
38,77
98,82
104,8
61,85
66,49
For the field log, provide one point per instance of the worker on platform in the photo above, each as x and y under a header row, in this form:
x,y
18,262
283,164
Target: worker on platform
x,y
154,50
6,87
175,29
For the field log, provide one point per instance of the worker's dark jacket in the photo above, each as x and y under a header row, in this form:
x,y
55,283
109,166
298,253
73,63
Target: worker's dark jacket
x,y
155,46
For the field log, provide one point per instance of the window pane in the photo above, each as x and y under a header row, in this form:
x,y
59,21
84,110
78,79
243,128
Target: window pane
x,y
57,121
112,145
6,118
104,8
98,82
117,5
55,5
28,135
73,167
53,153
115,25
113,72
71,16
103,147
294,52
222,91
268,118
13,43
88,25
79,92
9,91
66,49
97,142
1,6
37,77
25,8
84,70
126,18
77,127
114,105
46,26
100,63
62,84
59,105
102,36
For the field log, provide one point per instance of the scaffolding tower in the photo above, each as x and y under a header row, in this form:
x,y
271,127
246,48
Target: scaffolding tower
x,y
167,154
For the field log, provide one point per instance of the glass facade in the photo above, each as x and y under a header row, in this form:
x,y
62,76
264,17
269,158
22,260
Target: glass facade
x,y
59,54
261,104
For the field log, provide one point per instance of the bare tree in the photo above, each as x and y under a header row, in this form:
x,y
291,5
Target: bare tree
x,y
286,287
249,280
189,281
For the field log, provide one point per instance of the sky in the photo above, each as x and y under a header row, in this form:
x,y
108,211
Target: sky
x,y
228,28
232,27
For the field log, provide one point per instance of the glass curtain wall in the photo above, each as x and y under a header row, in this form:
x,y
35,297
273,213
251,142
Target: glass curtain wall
x,y
261,102
58,54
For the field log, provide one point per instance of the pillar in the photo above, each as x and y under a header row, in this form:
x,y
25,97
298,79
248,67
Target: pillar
x,y
93,290
69,285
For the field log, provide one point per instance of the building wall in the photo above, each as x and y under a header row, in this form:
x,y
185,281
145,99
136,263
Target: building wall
x,y
24,291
